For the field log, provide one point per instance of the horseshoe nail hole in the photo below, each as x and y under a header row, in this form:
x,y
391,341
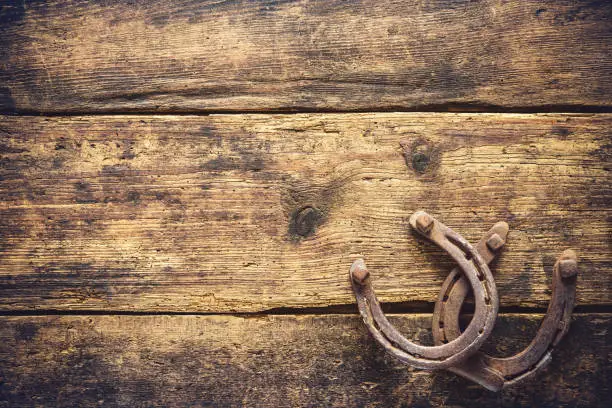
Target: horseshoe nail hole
x,y
441,324
468,256
445,298
480,331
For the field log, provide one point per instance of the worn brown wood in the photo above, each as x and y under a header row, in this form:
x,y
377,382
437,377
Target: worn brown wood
x,y
78,56
100,215
274,361
192,213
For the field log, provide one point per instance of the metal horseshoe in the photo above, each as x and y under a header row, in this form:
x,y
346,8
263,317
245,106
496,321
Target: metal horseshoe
x,y
480,279
497,373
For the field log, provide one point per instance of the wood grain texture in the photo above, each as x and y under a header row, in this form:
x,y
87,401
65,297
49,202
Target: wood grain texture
x,y
143,55
274,361
188,213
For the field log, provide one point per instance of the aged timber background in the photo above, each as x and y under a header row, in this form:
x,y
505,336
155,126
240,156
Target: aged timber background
x,y
184,185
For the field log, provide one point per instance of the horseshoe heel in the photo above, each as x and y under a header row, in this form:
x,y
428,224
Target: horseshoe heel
x,y
497,373
480,279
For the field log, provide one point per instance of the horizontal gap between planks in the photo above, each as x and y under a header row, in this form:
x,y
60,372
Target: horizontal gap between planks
x,y
346,309
445,108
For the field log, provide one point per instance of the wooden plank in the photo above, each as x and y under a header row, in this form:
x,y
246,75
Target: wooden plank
x,y
274,361
111,56
192,213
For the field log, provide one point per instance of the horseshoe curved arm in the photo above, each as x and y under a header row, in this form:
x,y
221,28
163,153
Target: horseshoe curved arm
x,y
496,373
480,279
446,305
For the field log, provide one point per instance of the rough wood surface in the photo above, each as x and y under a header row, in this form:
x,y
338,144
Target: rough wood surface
x,y
188,55
274,361
196,213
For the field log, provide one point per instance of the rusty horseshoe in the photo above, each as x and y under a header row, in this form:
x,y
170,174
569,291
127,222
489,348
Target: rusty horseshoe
x,y
453,349
480,279
497,373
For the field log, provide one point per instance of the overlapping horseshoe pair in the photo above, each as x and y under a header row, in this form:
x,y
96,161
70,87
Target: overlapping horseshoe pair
x,y
455,350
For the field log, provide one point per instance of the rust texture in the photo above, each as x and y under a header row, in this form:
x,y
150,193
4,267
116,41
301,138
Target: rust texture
x,y
455,350
480,279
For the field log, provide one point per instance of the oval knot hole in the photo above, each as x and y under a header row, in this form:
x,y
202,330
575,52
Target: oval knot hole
x,y
420,155
420,160
305,221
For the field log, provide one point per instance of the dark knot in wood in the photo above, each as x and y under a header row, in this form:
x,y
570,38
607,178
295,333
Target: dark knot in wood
x,y
305,221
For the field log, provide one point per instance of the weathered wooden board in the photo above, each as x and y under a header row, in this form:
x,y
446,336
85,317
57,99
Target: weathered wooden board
x,y
156,55
197,213
274,361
